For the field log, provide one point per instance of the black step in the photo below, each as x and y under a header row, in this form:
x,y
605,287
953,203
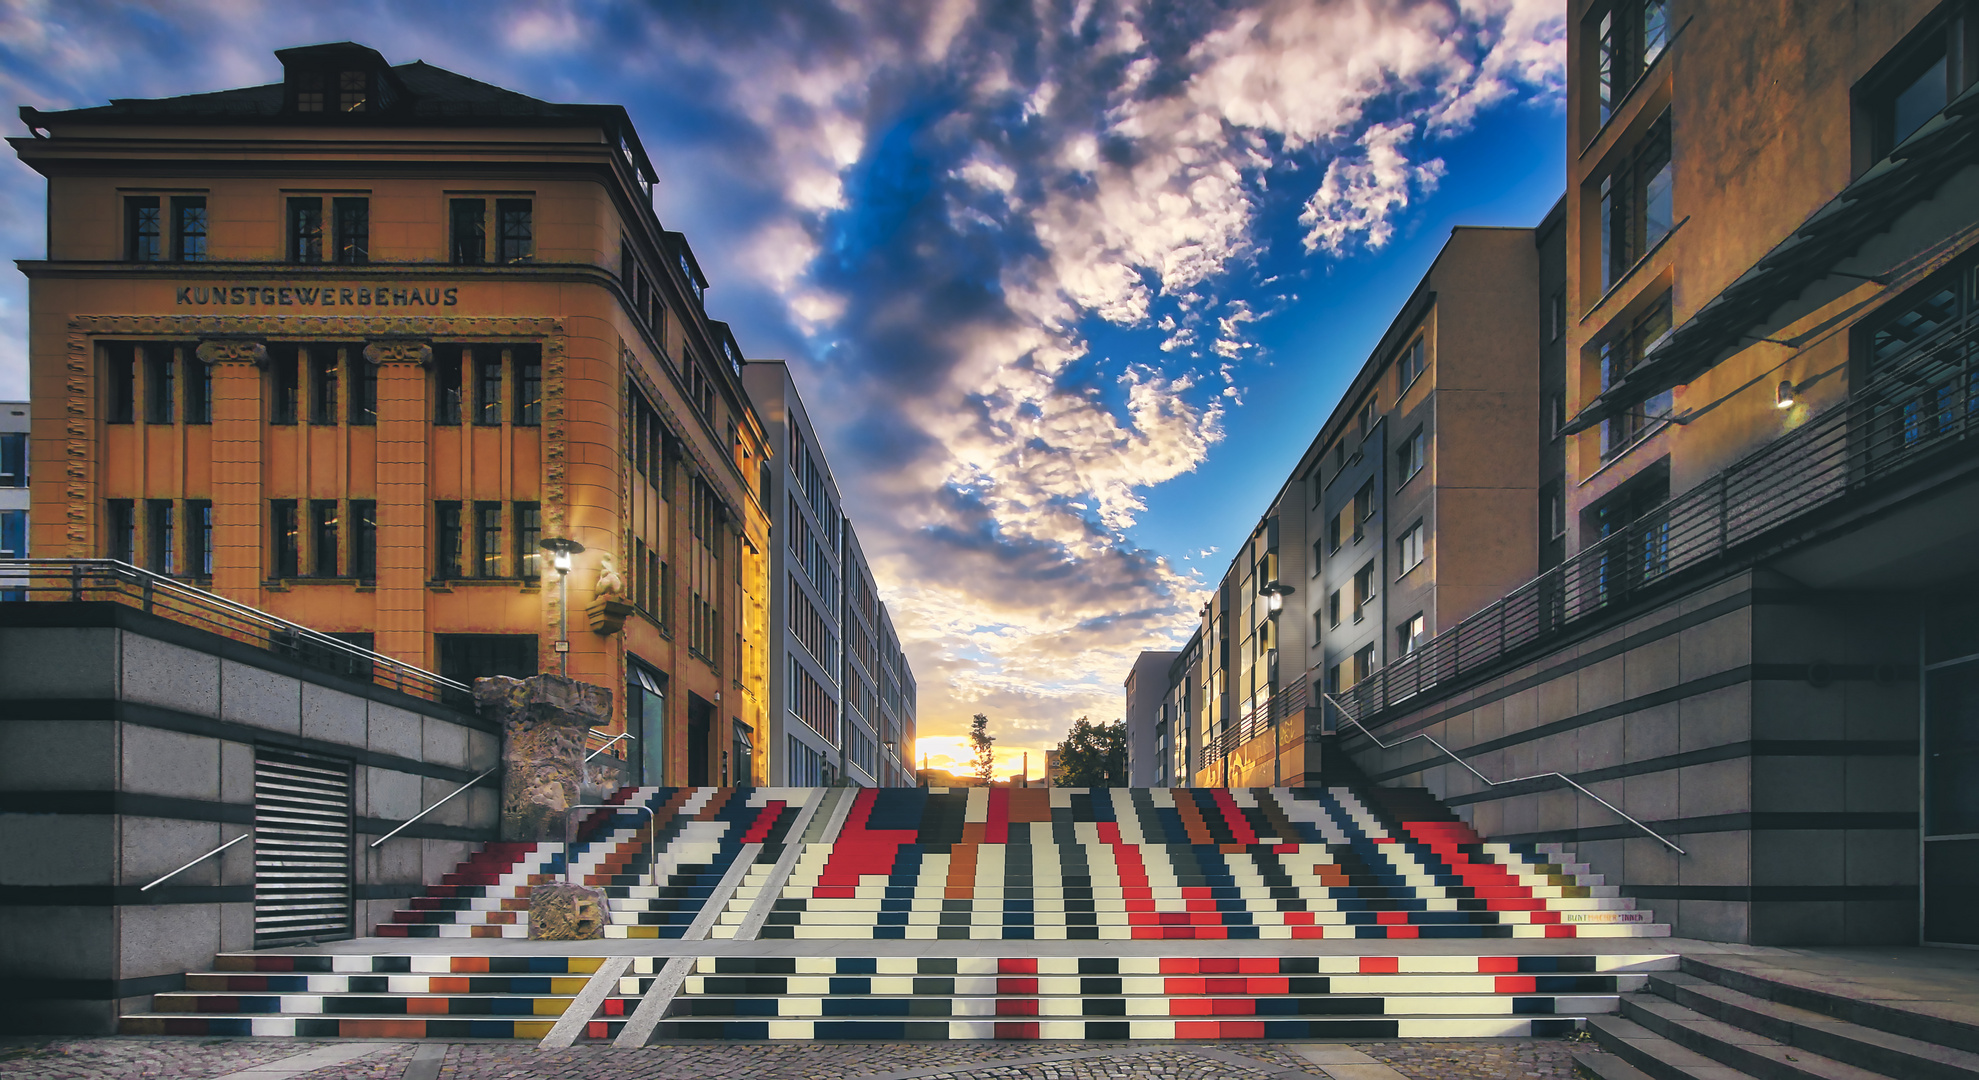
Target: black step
x,y
1867,1047
1599,1065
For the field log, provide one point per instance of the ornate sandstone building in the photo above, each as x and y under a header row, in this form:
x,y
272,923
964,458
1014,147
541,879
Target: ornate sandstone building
x,y
349,347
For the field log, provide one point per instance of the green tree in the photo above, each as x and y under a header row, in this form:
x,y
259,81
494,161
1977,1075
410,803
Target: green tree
x,y
1093,755
982,759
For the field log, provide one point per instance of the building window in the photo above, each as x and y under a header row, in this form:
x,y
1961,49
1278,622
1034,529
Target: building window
x,y
488,387
1917,80
467,657
1556,415
1363,589
13,545
120,371
199,532
1364,662
1556,311
364,539
1333,608
353,91
309,93
1370,412
447,361
1636,209
123,531
446,562
529,540
160,537
364,388
351,229
528,386
470,231
144,239
1628,37
199,390
1553,511
1409,635
284,362
1409,365
1409,457
324,530
1363,509
488,539
189,228
323,384
1408,550
287,532
517,235
13,459
306,230
1335,530
160,383
1620,355
1316,546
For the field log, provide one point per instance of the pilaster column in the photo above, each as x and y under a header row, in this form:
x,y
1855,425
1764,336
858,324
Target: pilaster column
x,y
403,569
238,545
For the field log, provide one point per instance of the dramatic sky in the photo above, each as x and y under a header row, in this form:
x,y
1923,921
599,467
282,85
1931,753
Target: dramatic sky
x,y
1070,284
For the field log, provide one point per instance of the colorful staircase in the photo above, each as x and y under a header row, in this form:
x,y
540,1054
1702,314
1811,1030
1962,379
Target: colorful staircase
x,y
657,873
1177,864
1151,877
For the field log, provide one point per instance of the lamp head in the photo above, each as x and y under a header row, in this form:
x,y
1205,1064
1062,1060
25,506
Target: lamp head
x,y
1784,398
561,549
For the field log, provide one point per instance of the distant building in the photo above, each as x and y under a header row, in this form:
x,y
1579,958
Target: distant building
x,y
841,693
13,489
1147,720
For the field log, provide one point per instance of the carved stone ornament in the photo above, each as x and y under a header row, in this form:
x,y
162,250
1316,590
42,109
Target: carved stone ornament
x,y
400,352
562,911
233,352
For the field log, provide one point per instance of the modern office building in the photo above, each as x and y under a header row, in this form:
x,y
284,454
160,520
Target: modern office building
x,y
1759,640
836,672
1147,720
13,489
349,346
1344,572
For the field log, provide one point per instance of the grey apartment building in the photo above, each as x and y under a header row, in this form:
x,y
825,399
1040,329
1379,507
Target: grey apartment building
x,y
841,694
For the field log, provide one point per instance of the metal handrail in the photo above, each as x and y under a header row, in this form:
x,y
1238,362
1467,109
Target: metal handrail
x,y
1488,782
652,877
154,593
197,861
609,743
435,806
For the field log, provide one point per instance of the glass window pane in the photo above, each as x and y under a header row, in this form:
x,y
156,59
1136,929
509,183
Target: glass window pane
x,y
1918,102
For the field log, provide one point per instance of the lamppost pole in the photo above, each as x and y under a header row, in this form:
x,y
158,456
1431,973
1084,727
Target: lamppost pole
x,y
561,549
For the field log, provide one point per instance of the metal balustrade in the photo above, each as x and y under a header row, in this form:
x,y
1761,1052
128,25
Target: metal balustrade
x,y
120,582
1917,404
1261,719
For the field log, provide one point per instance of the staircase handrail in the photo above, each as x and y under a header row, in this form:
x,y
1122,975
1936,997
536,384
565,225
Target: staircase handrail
x,y
1488,782
435,806
609,743
197,861
652,836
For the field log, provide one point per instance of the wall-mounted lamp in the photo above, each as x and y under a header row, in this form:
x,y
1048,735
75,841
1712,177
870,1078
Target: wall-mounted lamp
x,y
1275,593
1784,397
561,549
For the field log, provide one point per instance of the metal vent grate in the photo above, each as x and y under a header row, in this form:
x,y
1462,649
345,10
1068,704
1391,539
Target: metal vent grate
x,y
302,847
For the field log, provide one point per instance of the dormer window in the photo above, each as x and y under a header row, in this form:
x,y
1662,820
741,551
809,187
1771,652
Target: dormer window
x,y
352,91
309,94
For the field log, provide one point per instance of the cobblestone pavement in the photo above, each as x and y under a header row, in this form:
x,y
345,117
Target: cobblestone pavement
x,y
203,1059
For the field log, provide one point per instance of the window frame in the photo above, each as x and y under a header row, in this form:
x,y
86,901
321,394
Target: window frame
x,y
136,235
1412,454
304,241
1412,542
181,233
350,229
467,247
1410,363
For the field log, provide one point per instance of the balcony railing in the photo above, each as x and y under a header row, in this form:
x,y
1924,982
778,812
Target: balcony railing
x,y
122,583
1917,405
1261,719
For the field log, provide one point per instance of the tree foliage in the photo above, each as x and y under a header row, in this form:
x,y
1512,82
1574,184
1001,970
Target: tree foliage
x,y
982,759
1093,755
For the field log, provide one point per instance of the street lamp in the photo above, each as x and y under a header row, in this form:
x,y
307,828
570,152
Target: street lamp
x,y
561,549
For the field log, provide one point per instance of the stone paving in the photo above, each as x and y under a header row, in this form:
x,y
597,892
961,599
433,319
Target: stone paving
x,y
208,1059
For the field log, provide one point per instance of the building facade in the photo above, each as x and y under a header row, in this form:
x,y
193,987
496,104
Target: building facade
x,y
13,488
836,671
1147,720
1344,573
1758,642
348,347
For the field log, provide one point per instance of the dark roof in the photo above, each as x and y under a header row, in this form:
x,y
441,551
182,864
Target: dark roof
x,y
426,96
1866,207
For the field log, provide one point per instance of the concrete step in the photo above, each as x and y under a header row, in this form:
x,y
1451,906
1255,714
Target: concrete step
x,y
1600,1065
1727,1044
1897,1013
1653,1055
1866,1047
